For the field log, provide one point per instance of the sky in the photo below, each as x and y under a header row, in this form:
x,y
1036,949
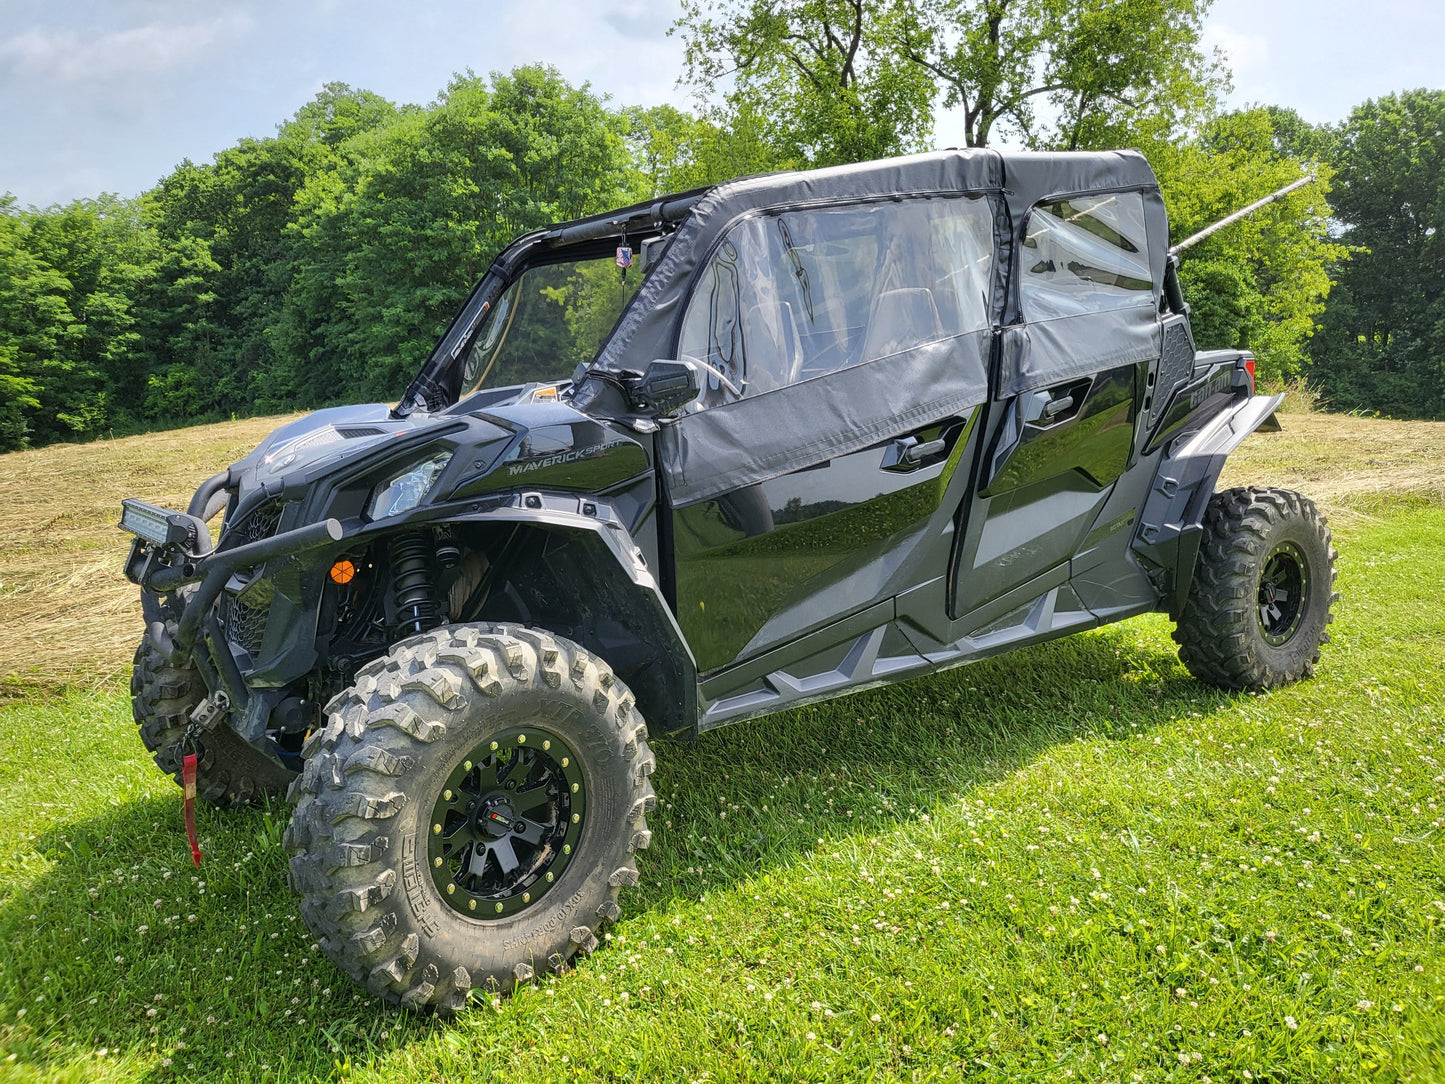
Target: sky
x,y
110,95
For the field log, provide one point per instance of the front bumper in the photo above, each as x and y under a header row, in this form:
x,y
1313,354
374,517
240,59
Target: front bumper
x,y
162,560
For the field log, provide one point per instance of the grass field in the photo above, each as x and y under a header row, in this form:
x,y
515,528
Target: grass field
x,y
1072,863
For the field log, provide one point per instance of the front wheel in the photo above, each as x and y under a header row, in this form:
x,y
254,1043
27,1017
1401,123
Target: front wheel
x,y
469,813
229,772
1259,604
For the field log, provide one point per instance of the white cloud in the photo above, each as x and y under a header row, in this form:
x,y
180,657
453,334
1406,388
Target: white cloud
x,y
70,57
621,47
641,20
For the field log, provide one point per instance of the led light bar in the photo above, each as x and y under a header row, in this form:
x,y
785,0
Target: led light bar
x,y
158,525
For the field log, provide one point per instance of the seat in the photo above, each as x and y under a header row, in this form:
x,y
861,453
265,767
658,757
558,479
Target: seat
x,y
901,319
774,349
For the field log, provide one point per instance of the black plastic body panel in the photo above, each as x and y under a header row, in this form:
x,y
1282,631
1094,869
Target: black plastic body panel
x,y
1047,479
770,562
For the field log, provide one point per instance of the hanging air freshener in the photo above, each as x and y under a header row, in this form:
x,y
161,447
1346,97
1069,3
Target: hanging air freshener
x,y
624,255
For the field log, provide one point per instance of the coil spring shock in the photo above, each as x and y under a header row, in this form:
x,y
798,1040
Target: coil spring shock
x,y
411,582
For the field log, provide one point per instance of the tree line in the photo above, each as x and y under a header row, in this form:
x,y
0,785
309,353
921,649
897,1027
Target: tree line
x,y
319,265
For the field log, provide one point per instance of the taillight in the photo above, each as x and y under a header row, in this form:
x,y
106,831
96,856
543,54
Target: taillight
x,y
1249,368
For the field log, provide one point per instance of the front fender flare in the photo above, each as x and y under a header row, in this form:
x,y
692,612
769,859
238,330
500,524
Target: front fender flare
x,y
631,596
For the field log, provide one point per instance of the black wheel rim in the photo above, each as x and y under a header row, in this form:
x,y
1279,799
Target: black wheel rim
x,y
506,823
1283,585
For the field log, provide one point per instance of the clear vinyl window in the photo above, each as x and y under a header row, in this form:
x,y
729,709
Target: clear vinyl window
x,y
788,297
550,319
1085,254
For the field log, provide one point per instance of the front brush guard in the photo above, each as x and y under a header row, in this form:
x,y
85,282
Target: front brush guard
x,y
211,571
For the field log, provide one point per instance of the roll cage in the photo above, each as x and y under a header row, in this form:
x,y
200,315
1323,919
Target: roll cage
x,y
439,383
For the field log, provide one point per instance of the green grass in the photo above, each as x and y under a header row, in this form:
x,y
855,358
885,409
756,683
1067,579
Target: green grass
x,y
1074,862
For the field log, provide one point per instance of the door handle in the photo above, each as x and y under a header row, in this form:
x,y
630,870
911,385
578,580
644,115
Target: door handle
x,y
1054,407
907,454
917,453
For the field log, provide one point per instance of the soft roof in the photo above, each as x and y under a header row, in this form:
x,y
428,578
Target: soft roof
x,y
1022,179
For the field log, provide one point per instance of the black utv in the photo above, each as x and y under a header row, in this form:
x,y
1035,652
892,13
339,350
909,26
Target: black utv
x,y
695,461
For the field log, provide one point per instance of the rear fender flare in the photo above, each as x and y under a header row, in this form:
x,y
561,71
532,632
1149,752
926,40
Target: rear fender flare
x,y
1171,524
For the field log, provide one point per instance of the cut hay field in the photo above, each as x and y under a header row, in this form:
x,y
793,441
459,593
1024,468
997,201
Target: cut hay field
x,y
1071,863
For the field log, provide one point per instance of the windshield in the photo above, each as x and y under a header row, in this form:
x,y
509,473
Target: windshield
x,y
547,322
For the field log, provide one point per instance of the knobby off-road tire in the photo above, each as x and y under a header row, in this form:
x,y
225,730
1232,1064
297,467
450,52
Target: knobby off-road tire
x,y
229,772
366,834
1259,604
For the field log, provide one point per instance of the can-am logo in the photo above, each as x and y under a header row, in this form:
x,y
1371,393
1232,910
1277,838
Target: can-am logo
x,y
1219,382
590,451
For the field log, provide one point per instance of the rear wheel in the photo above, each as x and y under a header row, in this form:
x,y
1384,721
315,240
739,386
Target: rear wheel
x,y
228,771
1259,604
470,813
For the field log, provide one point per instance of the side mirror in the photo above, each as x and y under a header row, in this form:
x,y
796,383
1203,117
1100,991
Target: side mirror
x,y
652,250
666,387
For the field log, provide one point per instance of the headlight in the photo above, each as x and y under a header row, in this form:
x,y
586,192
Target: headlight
x,y
405,489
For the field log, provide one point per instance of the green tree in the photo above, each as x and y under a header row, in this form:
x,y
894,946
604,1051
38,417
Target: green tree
x,y
1260,283
673,151
68,278
1064,74
825,77
338,113
846,80
225,227
1381,344
17,391
391,240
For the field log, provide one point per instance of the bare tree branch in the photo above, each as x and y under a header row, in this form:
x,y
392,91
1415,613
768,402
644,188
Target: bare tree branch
x,y
848,75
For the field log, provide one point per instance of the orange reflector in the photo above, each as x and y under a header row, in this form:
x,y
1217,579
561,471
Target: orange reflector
x,y
343,571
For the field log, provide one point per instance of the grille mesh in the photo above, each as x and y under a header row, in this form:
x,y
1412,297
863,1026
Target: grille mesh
x,y
262,522
245,625
1175,368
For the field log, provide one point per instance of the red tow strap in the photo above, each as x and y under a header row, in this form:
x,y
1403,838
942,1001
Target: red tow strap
x,y
188,779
